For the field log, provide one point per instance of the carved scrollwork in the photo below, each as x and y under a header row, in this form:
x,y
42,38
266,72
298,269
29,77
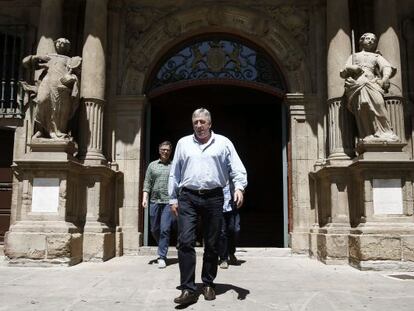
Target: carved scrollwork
x,y
293,18
172,27
215,15
292,60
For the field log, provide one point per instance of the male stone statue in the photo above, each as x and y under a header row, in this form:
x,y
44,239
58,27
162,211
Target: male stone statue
x,y
367,75
57,91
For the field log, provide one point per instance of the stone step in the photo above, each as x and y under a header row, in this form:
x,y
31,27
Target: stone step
x,y
240,252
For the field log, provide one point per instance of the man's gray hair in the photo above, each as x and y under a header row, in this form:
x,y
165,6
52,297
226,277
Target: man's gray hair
x,y
202,111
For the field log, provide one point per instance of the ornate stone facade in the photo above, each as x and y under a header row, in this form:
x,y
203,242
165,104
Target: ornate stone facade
x,y
333,185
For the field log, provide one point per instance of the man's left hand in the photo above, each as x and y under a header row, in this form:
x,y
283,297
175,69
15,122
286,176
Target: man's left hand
x,y
238,197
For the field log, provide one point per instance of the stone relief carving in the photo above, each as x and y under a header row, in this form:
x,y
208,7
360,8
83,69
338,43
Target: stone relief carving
x,y
293,18
134,61
56,93
215,15
367,75
140,20
172,27
261,26
292,60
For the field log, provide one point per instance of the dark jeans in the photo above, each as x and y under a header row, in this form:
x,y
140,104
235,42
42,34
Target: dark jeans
x,y
229,234
210,207
161,220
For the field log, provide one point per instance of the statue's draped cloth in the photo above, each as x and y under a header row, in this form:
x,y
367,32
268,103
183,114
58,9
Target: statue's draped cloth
x,y
366,97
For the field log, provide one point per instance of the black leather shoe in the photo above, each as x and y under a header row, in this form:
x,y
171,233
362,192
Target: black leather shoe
x,y
186,298
209,293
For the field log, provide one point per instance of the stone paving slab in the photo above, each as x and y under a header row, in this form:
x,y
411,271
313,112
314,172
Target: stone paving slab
x,y
260,282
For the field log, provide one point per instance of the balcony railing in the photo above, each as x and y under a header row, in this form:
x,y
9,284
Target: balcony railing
x,y
11,54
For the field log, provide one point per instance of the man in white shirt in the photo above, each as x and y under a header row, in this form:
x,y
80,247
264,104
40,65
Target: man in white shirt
x,y
203,164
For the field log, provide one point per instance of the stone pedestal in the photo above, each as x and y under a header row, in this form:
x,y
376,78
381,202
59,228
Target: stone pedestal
x,y
48,222
332,207
382,247
332,244
99,229
98,246
381,151
383,229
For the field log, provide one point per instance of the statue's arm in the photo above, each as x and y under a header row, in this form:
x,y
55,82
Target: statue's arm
x,y
35,61
387,72
350,70
384,82
28,61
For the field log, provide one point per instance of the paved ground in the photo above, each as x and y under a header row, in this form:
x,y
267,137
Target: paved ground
x,y
262,281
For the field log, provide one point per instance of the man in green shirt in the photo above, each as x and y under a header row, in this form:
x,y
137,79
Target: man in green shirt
x,y
156,190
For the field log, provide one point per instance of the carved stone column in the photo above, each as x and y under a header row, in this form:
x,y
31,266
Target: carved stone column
x,y
340,124
386,23
339,49
99,235
91,138
93,82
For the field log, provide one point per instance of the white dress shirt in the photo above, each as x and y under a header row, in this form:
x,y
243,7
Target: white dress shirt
x,y
199,166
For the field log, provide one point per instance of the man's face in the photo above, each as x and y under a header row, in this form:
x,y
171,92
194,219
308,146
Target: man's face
x,y
165,152
201,126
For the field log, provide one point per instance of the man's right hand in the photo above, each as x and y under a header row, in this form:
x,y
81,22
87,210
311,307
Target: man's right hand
x,y
145,199
174,209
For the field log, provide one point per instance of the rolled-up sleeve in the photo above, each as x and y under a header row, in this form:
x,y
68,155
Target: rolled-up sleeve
x,y
148,181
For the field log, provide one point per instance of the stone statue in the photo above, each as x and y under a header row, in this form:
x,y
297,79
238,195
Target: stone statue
x,y
367,75
56,93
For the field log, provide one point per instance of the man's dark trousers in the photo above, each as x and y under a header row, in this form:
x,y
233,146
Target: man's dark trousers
x,y
210,207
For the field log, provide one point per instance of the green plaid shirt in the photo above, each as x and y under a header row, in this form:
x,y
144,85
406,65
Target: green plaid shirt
x,y
156,181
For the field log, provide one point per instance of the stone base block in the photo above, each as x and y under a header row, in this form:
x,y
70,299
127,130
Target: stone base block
x,y
381,252
300,242
119,244
383,265
313,244
132,240
98,246
333,248
33,248
407,247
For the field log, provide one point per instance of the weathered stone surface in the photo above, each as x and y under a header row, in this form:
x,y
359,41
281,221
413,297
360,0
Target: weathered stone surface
x,y
30,248
407,247
337,246
65,245
98,246
374,247
25,245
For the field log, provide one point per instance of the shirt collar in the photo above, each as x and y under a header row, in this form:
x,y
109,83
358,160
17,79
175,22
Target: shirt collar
x,y
212,137
168,162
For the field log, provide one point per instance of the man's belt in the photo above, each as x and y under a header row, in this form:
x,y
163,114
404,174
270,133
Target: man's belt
x,y
204,191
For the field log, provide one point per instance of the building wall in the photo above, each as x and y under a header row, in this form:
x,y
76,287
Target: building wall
x,y
138,33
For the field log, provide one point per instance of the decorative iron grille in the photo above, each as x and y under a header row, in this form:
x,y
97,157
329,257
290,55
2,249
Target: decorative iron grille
x,y
11,54
218,59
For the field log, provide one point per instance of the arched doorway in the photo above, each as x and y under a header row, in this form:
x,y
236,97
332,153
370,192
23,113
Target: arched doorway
x,y
243,89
